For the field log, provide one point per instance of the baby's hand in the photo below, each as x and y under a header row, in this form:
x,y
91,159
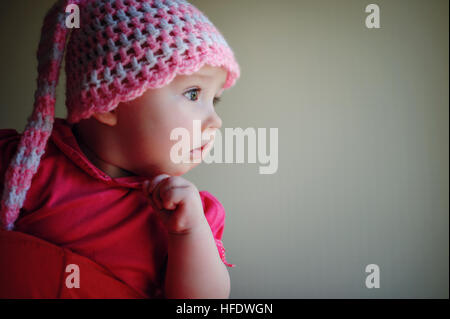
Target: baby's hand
x,y
178,202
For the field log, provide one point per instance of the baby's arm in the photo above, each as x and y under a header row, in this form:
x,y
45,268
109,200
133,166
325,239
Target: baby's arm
x,y
194,268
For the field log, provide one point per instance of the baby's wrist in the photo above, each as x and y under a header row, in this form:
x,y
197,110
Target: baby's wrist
x,y
200,227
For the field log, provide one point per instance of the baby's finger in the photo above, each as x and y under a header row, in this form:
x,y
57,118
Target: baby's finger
x,y
172,196
155,181
173,181
167,187
170,181
155,194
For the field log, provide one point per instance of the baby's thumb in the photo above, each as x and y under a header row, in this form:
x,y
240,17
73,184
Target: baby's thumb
x,y
155,181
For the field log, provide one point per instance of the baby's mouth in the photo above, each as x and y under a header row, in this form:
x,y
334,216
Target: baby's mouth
x,y
201,151
204,146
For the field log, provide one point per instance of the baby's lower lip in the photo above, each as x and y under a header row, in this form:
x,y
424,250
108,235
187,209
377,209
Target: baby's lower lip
x,y
198,152
200,148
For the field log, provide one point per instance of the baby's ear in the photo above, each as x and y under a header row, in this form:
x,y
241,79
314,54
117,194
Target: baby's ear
x,y
107,118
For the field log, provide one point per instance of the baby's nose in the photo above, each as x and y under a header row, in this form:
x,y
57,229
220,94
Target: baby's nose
x,y
208,135
214,120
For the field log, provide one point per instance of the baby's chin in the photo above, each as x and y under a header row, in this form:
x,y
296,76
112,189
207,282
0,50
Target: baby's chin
x,y
181,169
172,170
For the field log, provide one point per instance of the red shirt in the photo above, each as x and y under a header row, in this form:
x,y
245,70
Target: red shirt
x,y
74,205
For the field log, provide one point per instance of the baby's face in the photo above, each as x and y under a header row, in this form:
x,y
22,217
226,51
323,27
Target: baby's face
x,y
145,124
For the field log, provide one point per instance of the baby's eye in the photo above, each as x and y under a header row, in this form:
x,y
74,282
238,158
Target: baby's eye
x,y
192,94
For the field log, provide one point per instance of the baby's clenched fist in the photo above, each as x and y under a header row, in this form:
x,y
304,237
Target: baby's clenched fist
x,y
178,202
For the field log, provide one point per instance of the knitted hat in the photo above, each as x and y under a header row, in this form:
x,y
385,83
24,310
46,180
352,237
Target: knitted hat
x,y
122,48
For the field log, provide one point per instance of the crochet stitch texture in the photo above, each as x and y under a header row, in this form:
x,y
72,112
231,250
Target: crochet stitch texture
x,y
122,49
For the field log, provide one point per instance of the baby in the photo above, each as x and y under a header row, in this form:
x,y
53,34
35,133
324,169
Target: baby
x,y
101,184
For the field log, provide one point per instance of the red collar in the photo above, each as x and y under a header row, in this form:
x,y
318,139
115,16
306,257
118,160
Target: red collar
x,y
65,140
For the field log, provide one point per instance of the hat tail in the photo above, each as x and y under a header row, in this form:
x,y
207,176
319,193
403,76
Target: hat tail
x,y
31,147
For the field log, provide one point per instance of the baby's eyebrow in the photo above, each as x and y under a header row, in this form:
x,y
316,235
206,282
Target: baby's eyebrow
x,y
204,77
201,76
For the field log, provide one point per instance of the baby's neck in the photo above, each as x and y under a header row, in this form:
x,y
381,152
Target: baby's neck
x,y
108,168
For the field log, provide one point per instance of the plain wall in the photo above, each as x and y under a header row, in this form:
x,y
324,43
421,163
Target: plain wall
x,y
363,124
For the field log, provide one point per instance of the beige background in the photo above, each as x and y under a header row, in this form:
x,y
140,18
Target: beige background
x,y
363,142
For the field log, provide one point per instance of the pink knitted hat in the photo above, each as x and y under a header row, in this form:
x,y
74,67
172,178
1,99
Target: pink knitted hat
x,y
122,48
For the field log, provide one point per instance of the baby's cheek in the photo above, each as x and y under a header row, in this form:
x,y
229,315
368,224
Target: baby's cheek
x,y
153,150
140,148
